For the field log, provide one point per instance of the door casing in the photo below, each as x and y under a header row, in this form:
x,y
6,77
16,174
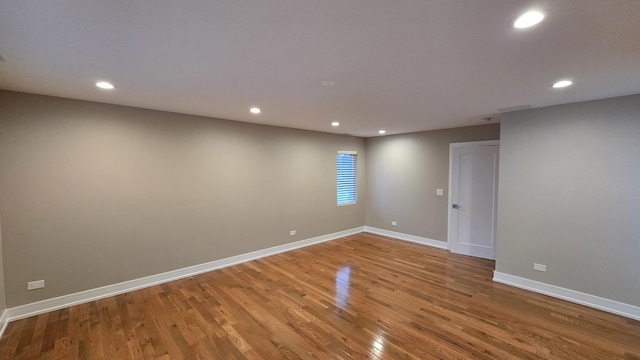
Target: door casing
x,y
452,146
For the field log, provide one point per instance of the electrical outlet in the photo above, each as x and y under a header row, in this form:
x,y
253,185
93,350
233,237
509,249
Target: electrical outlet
x,y
394,223
32,285
292,232
539,267
439,192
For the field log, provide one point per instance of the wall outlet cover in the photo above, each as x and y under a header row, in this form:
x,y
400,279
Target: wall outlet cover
x,y
32,285
539,267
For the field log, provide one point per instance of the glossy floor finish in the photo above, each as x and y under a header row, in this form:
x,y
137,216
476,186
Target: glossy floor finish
x,y
360,297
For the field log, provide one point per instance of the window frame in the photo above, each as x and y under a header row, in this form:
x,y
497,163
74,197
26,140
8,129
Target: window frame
x,y
352,175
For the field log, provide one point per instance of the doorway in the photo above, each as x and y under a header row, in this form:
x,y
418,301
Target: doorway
x,y
473,198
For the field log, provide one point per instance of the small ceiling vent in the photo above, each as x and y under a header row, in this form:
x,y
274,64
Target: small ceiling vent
x,y
514,108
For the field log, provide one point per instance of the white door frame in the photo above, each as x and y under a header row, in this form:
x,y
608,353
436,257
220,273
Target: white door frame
x,y
451,147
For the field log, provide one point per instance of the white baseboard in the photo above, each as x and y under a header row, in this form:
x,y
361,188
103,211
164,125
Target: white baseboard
x,y
406,237
4,321
40,307
577,297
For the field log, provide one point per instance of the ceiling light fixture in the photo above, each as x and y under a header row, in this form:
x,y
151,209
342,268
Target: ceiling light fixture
x,y
381,132
562,84
105,85
255,110
335,123
528,19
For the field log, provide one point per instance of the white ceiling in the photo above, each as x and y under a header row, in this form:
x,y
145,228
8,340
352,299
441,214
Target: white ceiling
x,y
399,65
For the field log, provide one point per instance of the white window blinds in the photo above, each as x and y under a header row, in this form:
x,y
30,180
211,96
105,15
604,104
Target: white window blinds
x,y
346,165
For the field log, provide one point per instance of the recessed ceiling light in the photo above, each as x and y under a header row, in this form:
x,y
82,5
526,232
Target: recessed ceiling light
x,y
562,83
105,85
255,110
528,19
382,131
335,123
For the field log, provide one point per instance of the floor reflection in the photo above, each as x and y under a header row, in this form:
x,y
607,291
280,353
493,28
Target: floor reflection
x,y
377,346
342,286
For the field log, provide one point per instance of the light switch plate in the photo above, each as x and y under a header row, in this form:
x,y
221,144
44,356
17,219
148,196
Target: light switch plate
x,y
439,192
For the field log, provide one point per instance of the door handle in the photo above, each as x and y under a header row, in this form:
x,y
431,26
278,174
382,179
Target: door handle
x,y
455,206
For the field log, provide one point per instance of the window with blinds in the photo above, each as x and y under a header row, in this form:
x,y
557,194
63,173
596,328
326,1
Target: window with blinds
x,y
346,165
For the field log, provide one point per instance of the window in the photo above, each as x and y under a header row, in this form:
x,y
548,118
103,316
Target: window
x,y
346,164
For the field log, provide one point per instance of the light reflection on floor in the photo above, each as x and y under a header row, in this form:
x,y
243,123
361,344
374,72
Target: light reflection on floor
x,y
342,286
377,346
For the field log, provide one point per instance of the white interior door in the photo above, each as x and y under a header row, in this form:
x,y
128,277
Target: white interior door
x,y
473,198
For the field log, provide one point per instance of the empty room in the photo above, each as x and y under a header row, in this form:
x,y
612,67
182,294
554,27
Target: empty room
x,y
339,179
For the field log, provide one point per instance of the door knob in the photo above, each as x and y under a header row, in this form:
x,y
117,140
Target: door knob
x,y
455,206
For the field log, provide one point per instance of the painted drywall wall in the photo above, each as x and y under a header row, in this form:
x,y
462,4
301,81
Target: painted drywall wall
x,y
3,303
570,197
403,173
94,194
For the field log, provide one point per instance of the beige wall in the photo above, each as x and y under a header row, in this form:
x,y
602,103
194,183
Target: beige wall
x,y
403,173
94,194
570,197
3,304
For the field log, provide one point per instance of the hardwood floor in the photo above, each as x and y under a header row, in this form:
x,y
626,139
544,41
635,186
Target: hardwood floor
x,y
360,297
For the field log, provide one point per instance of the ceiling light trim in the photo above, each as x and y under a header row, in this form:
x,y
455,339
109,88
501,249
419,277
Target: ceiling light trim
x,y
105,85
563,83
529,19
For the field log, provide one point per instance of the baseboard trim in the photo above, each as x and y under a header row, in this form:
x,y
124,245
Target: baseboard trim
x,y
406,237
4,321
40,307
577,297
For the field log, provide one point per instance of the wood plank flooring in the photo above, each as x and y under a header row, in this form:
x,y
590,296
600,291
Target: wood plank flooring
x,y
360,297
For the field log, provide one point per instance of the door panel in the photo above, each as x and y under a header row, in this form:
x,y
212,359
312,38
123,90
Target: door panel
x,y
473,200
